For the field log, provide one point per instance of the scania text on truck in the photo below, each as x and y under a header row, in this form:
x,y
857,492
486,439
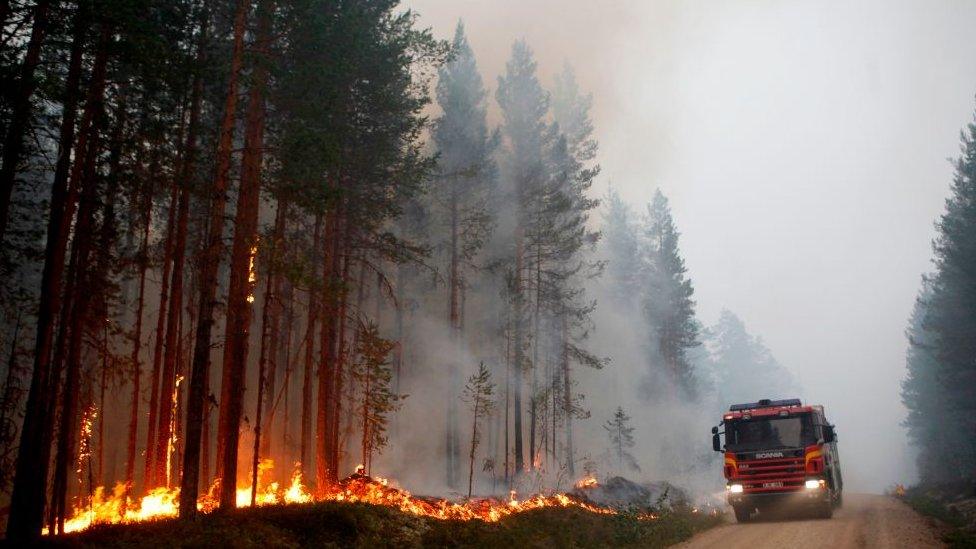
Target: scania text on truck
x,y
779,454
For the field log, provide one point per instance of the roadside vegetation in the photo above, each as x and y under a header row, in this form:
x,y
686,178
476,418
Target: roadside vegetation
x,y
952,507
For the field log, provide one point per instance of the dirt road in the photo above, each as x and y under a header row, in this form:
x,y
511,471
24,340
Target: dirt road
x,y
864,521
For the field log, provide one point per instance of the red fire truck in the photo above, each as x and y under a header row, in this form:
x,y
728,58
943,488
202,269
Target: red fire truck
x,y
778,454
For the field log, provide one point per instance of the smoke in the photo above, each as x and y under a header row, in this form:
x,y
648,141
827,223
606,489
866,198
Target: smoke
x,y
803,147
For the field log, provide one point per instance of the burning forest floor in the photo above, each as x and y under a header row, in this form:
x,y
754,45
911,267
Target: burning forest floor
x,y
366,512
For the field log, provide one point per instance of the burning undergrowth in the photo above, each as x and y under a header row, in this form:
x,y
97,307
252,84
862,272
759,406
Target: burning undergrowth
x,y
364,511
114,507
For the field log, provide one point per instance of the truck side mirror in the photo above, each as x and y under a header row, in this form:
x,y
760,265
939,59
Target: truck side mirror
x,y
714,430
716,443
828,433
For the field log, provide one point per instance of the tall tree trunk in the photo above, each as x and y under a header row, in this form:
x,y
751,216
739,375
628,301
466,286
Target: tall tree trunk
x,y
474,446
324,472
149,472
102,385
30,480
284,358
400,340
508,402
308,377
337,334
517,364
13,143
567,397
454,314
271,325
240,295
130,462
7,403
164,435
208,281
534,391
80,298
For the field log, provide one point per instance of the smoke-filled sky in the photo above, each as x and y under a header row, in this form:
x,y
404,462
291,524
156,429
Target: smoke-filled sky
x,y
804,148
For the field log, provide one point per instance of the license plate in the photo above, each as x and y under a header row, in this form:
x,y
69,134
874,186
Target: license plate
x,y
772,485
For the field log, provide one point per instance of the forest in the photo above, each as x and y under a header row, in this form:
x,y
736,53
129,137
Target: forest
x,y
247,243
938,386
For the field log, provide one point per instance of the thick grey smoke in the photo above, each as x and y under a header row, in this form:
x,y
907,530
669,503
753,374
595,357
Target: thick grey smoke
x,y
803,147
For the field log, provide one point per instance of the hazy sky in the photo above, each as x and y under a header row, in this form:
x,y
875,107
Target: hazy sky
x,y
804,147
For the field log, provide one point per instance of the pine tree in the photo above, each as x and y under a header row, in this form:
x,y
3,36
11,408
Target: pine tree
x,y
372,372
951,315
462,190
740,367
666,300
524,106
568,264
621,438
479,393
620,249
944,449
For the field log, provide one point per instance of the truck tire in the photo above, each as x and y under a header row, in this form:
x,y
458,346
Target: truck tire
x,y
826,510
839,500
742,514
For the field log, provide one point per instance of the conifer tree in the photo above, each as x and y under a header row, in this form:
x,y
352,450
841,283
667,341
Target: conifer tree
x,y
621,438
666,299
479,393
740,367
461,192
373,374
951,314
620,249
944,449
524,105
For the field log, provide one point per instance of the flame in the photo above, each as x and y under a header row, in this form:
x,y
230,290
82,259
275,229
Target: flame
x,y
588,481
366,489
85,445
252,273
105,508
174,417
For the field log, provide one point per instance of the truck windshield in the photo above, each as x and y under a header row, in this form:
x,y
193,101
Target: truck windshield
x,y
769,433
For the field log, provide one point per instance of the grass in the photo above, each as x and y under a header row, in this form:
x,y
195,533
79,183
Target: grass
x,y
332,524
959,530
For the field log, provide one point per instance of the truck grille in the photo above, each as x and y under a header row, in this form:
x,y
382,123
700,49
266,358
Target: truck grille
x,y
771,475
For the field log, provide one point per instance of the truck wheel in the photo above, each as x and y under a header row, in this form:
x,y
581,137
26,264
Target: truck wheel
x,y
742,514
839,500
826,510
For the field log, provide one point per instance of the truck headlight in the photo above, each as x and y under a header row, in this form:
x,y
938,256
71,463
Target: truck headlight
x,y
814,484
735,488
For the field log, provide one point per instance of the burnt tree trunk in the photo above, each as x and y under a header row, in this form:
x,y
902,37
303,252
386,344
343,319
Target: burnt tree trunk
x,y
332,367
30,480
79,296
308,377
567,397
454,319
243,269
271,327
130,461
519,359
208,280
324,473
171,355
149,473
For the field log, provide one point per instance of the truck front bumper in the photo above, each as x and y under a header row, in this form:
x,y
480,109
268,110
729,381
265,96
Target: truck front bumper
x,y
777,499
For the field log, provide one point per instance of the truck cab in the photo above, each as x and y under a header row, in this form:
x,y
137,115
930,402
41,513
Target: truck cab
x,y
779,454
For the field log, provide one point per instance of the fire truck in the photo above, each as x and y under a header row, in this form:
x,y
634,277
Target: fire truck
x,y
779,454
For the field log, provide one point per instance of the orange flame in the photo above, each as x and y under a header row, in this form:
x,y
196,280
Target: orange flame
x,y
111,508
587,482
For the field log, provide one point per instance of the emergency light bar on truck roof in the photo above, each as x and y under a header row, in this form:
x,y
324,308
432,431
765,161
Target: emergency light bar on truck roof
x,y
765,403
